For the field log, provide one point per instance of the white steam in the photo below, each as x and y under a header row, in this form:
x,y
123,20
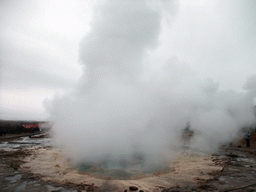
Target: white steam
x,y
119,109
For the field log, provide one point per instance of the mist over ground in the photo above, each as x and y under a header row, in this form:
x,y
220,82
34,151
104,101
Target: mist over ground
x,y
123,105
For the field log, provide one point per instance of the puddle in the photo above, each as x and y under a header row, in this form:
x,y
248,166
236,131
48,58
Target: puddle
x,y
14,179
247,160
25,142
22,187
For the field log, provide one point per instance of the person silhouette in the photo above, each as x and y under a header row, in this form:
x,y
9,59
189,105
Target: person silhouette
x,y
247,137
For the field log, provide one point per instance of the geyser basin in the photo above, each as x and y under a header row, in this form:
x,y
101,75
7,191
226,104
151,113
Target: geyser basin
x,y
123,169
52,165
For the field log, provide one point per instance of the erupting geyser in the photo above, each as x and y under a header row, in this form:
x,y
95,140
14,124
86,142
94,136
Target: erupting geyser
x,y
120,109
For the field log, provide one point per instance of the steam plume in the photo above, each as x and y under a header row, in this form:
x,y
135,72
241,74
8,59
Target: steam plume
x,y
116,111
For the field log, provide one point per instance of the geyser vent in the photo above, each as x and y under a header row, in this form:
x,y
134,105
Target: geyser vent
x,y
123,169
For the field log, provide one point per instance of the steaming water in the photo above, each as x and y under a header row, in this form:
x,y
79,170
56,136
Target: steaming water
x,y
133,167
122,169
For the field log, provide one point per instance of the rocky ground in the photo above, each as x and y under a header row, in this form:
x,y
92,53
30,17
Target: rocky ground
x,y
236,171
12,178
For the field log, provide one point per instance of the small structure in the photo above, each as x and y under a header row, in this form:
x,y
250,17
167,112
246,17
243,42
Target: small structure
x,y
18,127
31,127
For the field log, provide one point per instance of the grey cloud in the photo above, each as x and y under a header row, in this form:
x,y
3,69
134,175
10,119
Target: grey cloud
x,y
217,39
19,69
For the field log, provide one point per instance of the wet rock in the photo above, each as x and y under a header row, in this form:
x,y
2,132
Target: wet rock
x,y
222,180
133,188
54,189
37,184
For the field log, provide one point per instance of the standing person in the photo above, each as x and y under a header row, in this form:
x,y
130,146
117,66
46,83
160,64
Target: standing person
x,y
187,134
247,137
4,133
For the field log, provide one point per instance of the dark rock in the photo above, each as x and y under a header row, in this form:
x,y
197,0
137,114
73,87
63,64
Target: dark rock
x,y
90,188
125,190
141,191
204,187
232,155
15,166
133,188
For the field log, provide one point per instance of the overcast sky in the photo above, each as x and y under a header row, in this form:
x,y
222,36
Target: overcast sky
x,y
39,47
